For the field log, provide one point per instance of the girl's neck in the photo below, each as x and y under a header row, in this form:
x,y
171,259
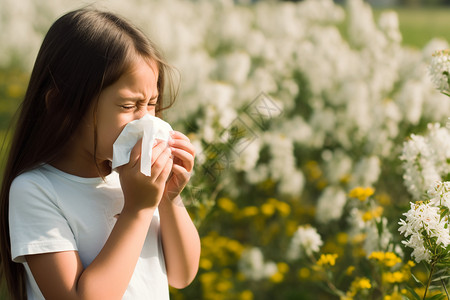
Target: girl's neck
x,y
80,162
86,170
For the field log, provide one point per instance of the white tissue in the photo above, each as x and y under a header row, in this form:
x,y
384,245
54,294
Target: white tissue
x,y
149,128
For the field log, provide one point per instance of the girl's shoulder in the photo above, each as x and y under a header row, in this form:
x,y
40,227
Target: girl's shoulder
x,y
34,175
33,181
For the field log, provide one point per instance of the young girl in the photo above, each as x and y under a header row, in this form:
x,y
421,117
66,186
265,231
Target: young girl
x,y
71,228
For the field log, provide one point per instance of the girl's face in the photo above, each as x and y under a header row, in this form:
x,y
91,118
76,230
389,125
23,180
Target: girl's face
x,y
129,98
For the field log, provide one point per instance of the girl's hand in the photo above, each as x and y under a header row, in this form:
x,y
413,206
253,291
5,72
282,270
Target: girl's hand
x,y
183,162
141,191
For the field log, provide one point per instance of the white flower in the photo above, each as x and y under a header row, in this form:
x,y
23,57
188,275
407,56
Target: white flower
x,y
439,194
253,266
440,70
423,221
305,240
425,159
330,204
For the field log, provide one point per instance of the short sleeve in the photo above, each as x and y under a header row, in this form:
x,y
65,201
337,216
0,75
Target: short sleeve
x,y
36,223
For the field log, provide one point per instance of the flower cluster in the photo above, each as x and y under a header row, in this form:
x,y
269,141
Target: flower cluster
x,y
440,70
305,240
426,160
425,230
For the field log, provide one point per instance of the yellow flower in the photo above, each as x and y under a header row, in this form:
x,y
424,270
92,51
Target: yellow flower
x,y
224,286
205,264
283,208
235,247
372,214
246,295
394,277
283,267
361,193
304,273
383,199
277,277
249,211
268,209
358,284
393,296
350,270
227,205
208,278
327,259
389,259
342,238
364,283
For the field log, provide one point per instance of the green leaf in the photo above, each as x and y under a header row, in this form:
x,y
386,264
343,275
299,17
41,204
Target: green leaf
x,y
437,297
413,292
440,278
379,227
417,280
441,271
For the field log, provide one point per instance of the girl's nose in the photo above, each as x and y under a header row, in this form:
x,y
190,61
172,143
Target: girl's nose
x,y
140,114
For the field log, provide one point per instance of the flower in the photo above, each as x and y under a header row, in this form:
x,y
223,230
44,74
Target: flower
x,y
389,259
361,193
331,204
440,70
253,266
327,259
305,240
426,230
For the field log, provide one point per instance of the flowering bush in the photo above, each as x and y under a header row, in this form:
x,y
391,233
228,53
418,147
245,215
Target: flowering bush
x,y
426,162
298,125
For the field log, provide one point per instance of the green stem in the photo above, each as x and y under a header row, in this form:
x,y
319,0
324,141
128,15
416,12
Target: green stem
x,y
429,280
445,288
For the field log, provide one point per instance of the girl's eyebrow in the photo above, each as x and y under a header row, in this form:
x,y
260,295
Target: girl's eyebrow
x,y
138,98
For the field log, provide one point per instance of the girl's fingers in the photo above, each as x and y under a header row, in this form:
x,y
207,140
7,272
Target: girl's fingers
x,y
181,141
165,171
179,135
186,158
158,149
180,171
159,165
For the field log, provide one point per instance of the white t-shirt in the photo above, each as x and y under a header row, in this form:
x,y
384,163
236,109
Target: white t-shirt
x,y
52,211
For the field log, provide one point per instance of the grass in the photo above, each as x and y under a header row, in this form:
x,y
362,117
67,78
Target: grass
x,y
419,25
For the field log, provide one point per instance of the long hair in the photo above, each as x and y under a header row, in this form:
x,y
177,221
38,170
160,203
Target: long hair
x,y
83,52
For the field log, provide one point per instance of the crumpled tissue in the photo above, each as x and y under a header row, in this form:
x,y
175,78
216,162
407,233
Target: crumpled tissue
x,y
149,128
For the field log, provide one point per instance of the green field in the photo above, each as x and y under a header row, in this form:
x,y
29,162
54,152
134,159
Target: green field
x,y
419,25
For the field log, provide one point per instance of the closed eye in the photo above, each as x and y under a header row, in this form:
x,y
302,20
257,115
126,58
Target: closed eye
x,y
128,107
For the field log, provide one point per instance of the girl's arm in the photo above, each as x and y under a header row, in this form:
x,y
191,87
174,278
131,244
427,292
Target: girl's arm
x,y
60,275
180,239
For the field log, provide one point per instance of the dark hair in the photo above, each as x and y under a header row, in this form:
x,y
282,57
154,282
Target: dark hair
x,y
83,52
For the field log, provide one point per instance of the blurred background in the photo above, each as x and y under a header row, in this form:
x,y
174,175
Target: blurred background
x,y
291,106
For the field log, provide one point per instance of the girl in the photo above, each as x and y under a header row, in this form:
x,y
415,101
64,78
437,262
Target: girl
x,y
70,227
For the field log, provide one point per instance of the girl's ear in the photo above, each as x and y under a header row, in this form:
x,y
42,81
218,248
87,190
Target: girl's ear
x,y
50,97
